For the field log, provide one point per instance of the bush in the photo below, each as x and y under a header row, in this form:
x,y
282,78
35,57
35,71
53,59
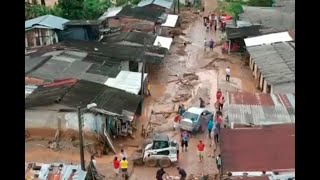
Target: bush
x,y
260,3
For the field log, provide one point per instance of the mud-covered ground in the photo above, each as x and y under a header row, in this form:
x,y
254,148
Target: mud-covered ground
x,y
186,74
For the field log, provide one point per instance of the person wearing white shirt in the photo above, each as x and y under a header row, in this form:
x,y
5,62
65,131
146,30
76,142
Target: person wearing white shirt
x,y
123,154
228,74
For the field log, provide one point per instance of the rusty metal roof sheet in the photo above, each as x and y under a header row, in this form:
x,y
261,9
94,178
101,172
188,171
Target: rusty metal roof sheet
x,y
267,148
260,109
46,173
258,115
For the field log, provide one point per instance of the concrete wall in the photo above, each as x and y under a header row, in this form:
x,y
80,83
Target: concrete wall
x,y
49,119
251,63
255,72
261,82
265,85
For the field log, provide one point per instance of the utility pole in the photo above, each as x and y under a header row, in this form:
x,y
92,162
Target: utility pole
x,y
174,6
81,140
178,6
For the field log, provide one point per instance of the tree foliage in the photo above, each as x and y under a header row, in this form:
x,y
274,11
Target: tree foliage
x,y
122,2
260,3
35,10
72,9
235,9
135,2
69,9
95,8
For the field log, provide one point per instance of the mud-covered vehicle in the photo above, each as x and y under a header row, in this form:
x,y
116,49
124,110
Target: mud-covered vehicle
x,y
160,151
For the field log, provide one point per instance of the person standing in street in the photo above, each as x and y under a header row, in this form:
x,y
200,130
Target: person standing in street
x,y
202,103
160,173
124,167
210,126
182,173
205,44
221,102
228,74
116,165
184,140
200,148
219,163
211,44
123,154
219,121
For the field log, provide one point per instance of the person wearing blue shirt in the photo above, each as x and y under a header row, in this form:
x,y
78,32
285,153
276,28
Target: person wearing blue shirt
x,y
210,126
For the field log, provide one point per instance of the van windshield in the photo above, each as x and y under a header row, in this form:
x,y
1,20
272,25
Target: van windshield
x,y
191,116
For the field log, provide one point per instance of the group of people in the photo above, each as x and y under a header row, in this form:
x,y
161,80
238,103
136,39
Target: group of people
x,y
185,136
212,22
121,164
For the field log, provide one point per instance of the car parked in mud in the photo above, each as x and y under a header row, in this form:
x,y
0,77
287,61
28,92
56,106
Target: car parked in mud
x,y
194,119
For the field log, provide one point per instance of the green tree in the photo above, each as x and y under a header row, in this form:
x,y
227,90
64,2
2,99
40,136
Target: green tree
x,y
93,9
121,2
260,3
235,9
135,2
72,9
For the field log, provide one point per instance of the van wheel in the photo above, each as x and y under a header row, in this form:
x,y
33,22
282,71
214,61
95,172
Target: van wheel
x,y
165,162
151,162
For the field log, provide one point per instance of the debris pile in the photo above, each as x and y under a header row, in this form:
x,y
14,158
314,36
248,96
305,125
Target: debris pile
x,y
185,84
201,177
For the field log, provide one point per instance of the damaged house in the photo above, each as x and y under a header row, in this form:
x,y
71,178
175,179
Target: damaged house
x,y
88,30
139,18
43,30
54,105
164,5
88,60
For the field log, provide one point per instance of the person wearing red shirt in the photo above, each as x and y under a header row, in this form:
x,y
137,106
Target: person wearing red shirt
x,y
116,165
200,148
219,122
218,94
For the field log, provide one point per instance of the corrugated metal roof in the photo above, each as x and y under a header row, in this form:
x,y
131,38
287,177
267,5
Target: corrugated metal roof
x,y
171,20
33,63
144,3
29,90
111,12
268,39
275,62
140,13
45,173
257,149
133,36
127,81
48,21
83,23
260,109
272,17
164,3
163,42
284,88
258,115
45,95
